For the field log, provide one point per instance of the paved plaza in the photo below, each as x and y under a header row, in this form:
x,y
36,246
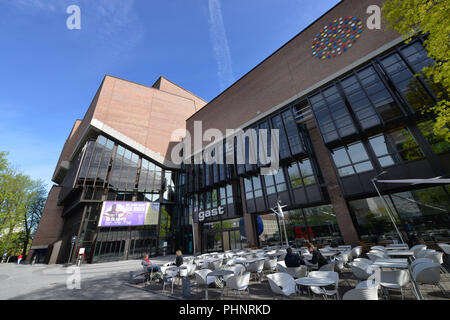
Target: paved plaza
x,y
103,281
112,281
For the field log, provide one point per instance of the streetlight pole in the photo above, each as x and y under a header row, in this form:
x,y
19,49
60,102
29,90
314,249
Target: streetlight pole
x,y
386,205
279,213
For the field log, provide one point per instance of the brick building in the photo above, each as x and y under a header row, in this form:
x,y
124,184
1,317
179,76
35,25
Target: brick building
x,y
347,106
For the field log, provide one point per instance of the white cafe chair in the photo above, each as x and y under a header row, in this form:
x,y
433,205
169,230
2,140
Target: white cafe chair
x,y
281,284
361,270
270,265
417,262
428,273
445,247
370,293
417,248
396,279
256,268
326,292
367,261
327,267
238,283
200,278
423,253
295,272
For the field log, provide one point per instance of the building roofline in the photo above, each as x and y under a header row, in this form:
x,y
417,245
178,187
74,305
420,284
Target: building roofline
x,y
259,64
151,87
162,77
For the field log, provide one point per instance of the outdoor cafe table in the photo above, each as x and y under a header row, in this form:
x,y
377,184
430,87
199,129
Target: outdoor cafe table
x,y
216,273
391,263
328,254
397,245
248,261
401,253
314,282
398,248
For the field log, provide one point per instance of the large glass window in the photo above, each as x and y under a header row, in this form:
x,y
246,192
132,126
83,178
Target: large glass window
x,y
438,143
316,224
277,123
301,174
424,214
124,170
404,80
323,225
368,96
96,160
292,132
420,215
374,224
169,191
150,177
257,187
395,147
332,115
229,194
351,159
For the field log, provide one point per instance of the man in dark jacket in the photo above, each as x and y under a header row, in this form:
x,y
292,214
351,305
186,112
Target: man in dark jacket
x,y
317,257
293,260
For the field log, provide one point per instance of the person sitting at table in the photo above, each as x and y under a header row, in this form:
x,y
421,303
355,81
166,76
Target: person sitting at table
x,y
150,267
179,259
317,257
293,260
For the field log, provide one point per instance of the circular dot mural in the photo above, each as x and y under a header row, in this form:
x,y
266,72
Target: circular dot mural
x,y
337,37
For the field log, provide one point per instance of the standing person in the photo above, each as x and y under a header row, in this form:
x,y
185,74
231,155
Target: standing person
x,y
4,257
317,257
19,259
179,258
293,260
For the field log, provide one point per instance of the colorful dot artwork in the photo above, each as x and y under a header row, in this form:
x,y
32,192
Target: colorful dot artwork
x,y
337,37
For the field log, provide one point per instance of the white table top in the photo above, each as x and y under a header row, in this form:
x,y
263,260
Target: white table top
x,y
315,282
212,259
243,260
406,253
391,263
397,245
397,248
328,253
220,272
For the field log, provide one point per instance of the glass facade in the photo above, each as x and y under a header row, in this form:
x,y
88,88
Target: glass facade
x,y
395,147
420,215
370,119
351,159
314,224
380,93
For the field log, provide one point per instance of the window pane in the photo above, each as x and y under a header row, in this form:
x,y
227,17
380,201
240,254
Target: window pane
x,y
340,157
357,152
438,143
346,171
363,167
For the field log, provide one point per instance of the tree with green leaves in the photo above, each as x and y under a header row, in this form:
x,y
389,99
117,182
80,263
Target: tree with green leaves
x,y
428,17
21,204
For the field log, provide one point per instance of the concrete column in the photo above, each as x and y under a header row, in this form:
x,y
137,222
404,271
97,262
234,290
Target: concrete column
x,y
198,239
249,225
326,165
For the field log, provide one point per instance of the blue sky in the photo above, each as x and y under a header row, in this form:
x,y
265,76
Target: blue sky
x,y
49,74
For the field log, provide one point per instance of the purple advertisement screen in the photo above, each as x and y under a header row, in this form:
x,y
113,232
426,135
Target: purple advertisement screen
x,y
123,213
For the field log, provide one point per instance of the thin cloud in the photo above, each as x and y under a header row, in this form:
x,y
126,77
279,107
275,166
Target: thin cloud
x,y
108,25
220,45
33,6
